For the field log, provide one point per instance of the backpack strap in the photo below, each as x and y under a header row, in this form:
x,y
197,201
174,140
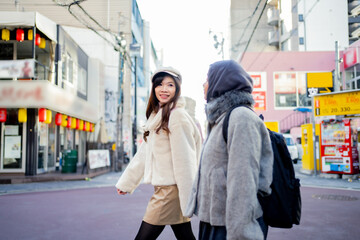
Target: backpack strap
x,y
226,120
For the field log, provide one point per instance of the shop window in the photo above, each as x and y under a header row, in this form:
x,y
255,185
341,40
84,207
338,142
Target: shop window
x,y
304,100
6,51
42,145
285,89
12,138
290,90
51,145
349,74
358,84
357,71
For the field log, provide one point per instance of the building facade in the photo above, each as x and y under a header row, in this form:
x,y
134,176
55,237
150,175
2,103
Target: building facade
x,y
84,72
294,25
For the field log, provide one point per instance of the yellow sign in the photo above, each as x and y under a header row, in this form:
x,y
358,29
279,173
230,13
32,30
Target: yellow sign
x,y
273,126
346,103
319,82
326,90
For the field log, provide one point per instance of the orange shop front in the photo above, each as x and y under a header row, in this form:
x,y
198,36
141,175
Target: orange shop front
x,y
32,134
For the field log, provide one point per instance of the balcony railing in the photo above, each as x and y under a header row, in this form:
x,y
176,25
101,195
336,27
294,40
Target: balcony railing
x,y
273,16
273,38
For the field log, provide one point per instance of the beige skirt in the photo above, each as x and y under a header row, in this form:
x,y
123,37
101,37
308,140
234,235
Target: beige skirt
x,y
164,207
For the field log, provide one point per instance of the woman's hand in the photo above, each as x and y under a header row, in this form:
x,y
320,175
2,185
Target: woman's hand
x,y
121,192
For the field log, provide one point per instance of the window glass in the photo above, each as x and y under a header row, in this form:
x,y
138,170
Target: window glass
x,y
301,41
357,71
82,82
285,89
51,144
304,100
70,64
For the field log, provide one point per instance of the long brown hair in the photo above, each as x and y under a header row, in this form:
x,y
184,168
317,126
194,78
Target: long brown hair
x,y
154,106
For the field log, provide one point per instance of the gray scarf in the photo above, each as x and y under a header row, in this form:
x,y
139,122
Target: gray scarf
x,y
218,106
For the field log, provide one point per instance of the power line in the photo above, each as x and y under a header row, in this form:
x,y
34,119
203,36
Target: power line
x,y
85,22
247,25
257,23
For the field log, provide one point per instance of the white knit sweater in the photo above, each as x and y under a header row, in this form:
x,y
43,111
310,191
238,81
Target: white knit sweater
x,y
166,159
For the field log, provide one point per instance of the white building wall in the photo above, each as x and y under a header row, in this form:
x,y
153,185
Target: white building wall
x,y
326,21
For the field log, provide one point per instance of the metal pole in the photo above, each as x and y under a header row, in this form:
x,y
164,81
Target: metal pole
x,y
119,150
313,135
135,110
337,68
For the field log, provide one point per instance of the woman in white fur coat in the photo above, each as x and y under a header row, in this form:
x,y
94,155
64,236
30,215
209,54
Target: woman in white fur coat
x,y
168,159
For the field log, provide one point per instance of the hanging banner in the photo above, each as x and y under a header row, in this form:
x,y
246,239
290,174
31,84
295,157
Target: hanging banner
x,y
17,68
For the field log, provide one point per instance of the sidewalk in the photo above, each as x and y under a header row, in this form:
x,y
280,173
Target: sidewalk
x,y
323,180
48,177
59,181
67,182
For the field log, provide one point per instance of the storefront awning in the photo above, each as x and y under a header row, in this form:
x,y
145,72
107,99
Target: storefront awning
x,y
43,94
13,20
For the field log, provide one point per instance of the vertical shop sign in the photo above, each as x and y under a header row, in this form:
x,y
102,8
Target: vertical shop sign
x,y
260,100
350,57
259,92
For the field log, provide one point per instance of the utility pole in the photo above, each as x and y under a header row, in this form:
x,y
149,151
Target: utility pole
x,y
135,51
337,68
119,145
135,109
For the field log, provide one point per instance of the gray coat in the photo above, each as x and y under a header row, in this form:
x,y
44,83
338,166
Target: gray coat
x,y
230,175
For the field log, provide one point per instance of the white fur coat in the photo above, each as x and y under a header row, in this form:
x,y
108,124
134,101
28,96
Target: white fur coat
x,y
166,159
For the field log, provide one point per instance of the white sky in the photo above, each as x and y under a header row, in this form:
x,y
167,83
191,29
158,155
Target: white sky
x,y
181,29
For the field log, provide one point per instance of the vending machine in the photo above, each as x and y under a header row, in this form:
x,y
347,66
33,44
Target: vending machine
x,y
339,147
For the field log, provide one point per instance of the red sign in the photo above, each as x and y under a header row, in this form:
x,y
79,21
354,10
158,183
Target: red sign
x,y
260,100
350,57
257,81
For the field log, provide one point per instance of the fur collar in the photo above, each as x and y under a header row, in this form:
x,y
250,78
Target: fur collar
x,y
155,118
218,106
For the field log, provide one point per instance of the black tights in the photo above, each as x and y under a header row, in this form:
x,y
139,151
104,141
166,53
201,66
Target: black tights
x,y
148,231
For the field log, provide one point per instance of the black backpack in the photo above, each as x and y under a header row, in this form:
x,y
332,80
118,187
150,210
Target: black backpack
x,y
282,208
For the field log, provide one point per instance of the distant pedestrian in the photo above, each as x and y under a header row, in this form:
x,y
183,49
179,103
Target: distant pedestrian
x,y
168,159
231,174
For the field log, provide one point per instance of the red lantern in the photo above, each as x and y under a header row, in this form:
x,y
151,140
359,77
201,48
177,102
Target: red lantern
x,y
84,126
37,39
91,127
77,126
58,119
3,113
42,115
20,35
68,122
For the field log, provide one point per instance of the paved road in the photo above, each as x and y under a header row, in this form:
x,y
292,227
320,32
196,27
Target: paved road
x,y
92,210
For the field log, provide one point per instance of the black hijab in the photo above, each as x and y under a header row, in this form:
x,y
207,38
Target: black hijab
x,y
224,76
